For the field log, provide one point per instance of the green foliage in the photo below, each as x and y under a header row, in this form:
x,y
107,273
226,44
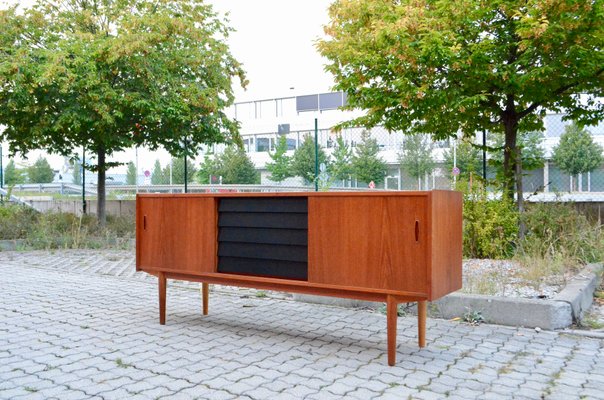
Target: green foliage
x,y
208,168
341,166
557,232
416,156
233,165
40,172
157,175
280,167
473,317
490,226
13,175
441,67
110,75
577,153
62,230
366,164
468,160
131,174
530,145
178,171
303,161
16,221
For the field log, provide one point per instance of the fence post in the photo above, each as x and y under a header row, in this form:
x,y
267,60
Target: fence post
x,y
186,171
1,169
484,155
83,180
316,155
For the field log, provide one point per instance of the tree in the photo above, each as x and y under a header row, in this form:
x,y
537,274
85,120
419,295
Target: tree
x,y
13,175
530,146
110,75
468,159
208,168
233,165
237,167
341,166
367,165
178,171
76,167
303,161
416,158
157,175
577,153
131,174
40,172
439,67
280,167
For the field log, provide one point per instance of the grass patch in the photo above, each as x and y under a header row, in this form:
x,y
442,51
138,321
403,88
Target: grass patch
x,y
490,283
559,242
590,321
122,364
59,230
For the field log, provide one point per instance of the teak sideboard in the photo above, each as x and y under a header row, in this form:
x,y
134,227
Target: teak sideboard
x,y
393,247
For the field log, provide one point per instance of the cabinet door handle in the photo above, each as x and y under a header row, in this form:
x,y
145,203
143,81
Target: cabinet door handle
x,y
416,230
144,222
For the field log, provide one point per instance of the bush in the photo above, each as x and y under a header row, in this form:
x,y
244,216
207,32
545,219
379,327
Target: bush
x,y
558,232
490,227
63,230
16,221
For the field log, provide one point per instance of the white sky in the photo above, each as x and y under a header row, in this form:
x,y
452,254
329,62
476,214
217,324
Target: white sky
x,y
274,39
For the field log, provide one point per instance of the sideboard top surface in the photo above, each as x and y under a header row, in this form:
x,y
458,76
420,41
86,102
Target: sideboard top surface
x,y
422,193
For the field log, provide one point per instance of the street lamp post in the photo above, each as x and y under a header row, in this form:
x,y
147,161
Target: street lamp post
x,y
1,169
83,180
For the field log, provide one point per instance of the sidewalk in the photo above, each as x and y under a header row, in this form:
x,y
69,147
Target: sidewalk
x,y
69,332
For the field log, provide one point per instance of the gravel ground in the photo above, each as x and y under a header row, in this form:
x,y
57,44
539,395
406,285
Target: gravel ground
x,y
504,278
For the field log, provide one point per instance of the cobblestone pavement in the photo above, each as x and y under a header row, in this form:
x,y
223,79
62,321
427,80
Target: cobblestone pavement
x,y
69,332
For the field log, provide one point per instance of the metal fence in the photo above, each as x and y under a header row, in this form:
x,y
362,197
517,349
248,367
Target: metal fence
x,y
394,152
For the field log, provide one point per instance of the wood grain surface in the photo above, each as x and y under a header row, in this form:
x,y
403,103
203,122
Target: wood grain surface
x,y
369,242
177,234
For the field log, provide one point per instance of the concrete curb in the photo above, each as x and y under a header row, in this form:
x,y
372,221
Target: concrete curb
x,y
579,292
560,312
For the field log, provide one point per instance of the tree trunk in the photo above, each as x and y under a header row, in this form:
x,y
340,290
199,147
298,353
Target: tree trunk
x,y
101,187
520,195
509,156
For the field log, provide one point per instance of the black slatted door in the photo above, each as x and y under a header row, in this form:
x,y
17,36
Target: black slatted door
x,y
264,236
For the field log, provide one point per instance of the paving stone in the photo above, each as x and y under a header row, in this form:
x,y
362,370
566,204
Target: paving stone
x,y
67,336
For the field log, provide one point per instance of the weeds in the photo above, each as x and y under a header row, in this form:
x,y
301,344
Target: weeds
x,y
122,364
473,317
59,230
400,310
560,236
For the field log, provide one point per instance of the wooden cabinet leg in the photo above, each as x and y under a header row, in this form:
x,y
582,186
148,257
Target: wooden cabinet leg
x,y
391,316
422,310
162,297
205,297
